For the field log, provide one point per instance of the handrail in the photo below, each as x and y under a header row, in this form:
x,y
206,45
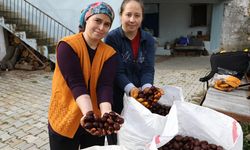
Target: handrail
x,y
34,21
48,15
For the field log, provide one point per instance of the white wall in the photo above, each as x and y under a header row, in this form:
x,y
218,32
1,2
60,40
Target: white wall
x,y
175,19
68,11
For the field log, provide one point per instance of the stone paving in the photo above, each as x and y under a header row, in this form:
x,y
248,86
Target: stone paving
x,y
183,72
24,98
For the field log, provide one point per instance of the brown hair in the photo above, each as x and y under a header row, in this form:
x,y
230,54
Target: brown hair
x,y
124,3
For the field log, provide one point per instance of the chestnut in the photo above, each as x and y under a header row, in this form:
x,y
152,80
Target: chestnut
x,y
120,120
110,121
88,125
116,126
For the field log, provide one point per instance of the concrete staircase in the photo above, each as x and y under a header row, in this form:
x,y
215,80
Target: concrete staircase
x,y
32,42
38,37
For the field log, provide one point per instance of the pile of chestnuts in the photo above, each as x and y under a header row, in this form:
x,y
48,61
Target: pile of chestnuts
x,y
160,109
105,125
149,97
189,143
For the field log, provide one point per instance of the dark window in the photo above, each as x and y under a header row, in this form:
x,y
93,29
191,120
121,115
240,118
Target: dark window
x,y
198,15
151,18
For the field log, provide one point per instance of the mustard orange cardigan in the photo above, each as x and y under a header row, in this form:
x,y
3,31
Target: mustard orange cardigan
x,y
64,114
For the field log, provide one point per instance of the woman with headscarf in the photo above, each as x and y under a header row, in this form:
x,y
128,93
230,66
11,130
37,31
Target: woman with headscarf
x,y
82,80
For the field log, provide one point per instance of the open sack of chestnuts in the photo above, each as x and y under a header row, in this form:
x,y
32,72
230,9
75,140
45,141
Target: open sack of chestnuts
x,y
107,147
145,117
194,127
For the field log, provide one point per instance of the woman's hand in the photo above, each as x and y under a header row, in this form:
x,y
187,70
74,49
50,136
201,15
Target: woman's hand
x,y
112,122
88,122
134,92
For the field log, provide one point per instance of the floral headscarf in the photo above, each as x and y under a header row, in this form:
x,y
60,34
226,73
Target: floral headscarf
x,y
96,8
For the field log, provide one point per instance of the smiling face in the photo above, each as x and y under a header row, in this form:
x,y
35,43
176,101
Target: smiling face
x,y
131,17
97,26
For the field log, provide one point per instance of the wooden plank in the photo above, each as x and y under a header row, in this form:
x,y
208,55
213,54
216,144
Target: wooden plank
x,y
247,76
234,103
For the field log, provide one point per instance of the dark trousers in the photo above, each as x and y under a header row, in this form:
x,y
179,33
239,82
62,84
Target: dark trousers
x,y
82,139
117,107
112,139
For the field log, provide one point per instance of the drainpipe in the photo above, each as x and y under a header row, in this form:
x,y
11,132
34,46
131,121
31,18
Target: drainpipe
x,y
2,44
216,26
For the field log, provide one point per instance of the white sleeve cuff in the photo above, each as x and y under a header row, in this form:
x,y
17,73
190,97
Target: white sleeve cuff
x,y
148,85
128,87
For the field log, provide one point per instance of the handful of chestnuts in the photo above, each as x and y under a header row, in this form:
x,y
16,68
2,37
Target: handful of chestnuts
x,y
105,125
149,97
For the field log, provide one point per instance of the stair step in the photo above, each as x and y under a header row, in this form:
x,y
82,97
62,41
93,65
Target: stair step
x,y
15,20
35,34
24,26
4,11
2,22
45,41
43,50
30,29
8,14
11,27
21,35
52,57
32,43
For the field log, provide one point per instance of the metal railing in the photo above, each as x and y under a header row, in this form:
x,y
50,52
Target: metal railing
x,y
31,19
